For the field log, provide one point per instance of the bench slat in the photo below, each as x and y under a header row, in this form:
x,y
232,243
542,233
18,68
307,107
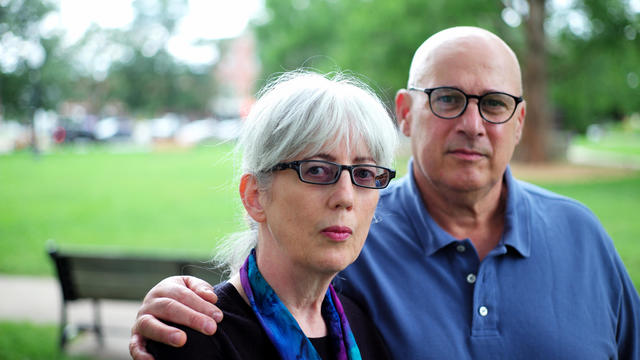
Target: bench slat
x,y
118,277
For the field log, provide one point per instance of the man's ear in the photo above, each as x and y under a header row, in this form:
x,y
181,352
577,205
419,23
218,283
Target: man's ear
x,y
520,116
250,195
403,111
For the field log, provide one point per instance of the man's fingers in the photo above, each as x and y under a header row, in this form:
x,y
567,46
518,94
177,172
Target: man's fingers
x,y
176,312
137,348
201,287
182,300
151,328
192,301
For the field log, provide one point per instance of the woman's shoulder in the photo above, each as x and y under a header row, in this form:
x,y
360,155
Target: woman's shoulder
x,y
238,336
198,346
369,340
229,299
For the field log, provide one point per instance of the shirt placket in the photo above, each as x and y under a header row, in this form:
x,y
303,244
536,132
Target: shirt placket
x,y
485,301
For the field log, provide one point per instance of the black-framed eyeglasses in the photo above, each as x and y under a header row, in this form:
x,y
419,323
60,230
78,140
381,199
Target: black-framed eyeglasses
x,y
448,102
322,172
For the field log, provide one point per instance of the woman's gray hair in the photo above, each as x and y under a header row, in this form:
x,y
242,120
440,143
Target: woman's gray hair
x,y
297,116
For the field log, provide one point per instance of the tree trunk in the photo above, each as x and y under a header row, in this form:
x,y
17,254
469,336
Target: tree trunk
x,y
534,146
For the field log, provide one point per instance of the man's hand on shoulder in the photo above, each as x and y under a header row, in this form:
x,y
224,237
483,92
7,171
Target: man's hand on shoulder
x,y
183,300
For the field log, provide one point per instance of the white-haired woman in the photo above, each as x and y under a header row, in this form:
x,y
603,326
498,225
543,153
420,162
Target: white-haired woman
x,y
315,152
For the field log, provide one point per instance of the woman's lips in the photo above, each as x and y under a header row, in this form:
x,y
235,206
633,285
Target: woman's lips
x,y
337,233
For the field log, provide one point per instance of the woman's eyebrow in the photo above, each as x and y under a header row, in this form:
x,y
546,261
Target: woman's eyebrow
x,y
357,160
364,159
324,156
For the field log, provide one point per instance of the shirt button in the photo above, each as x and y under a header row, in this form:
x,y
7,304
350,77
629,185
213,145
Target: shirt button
x,y
461,248
483,311
471,278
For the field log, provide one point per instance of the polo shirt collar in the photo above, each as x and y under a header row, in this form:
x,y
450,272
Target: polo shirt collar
x,y
516,233
517,225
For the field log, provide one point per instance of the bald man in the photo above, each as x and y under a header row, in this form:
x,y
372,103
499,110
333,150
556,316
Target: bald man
x,y
464,261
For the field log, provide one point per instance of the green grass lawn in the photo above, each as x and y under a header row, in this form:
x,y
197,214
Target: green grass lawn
x,y
25,341
184,201
138,202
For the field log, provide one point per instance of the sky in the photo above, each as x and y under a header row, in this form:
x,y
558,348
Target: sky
x,y
206,19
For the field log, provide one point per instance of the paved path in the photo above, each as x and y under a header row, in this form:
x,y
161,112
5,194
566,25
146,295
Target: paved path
x,y
38,300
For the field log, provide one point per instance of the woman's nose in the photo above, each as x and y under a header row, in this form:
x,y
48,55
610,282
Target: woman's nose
x,y
343,192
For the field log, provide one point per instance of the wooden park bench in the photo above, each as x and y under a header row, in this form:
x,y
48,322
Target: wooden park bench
x,y
97,275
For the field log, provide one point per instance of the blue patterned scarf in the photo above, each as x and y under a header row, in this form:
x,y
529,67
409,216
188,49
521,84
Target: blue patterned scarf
x,y
282,328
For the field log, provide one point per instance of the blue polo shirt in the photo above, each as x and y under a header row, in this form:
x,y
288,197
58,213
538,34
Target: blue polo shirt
x,y
553,288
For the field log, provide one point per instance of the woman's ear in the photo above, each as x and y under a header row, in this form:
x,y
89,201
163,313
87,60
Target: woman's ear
x,y
250,195
403,109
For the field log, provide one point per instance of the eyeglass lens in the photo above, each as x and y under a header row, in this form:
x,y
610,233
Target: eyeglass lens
x,y
450,103
320,172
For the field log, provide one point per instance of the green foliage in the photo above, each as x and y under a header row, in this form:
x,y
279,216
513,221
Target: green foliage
x,y
594,76
158,202
149,86
139,82
20,341
590,75
282,48
28,86
18,16
376,38
145,80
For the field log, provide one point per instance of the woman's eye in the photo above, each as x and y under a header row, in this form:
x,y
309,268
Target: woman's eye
x,y
318,172
364,173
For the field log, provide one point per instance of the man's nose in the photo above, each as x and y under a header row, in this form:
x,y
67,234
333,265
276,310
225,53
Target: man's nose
x,y
470,121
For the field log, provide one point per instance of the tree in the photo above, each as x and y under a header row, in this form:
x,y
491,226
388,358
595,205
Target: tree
x,y
594,64
374,38
140,76
34,72
534,146
571,78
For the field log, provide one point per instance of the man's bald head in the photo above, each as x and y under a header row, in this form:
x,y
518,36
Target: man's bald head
x,y
463,41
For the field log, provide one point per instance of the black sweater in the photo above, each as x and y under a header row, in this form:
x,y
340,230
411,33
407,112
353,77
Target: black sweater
x,y
240,335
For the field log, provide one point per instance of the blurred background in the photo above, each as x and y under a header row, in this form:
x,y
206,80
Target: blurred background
x,y
118,119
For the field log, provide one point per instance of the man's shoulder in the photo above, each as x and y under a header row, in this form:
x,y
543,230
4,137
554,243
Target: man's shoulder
x,y
552,205
397,194
396,201
545,197
402,184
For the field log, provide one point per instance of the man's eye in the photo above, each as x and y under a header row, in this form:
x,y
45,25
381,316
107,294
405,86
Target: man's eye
x,y
497,103
447,99
494,103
